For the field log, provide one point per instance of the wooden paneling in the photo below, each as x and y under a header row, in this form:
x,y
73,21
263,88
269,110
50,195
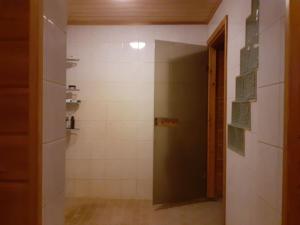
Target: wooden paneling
x,y
14,61
20,200
220,129
14,152
15,116
291,206
14,204
141,11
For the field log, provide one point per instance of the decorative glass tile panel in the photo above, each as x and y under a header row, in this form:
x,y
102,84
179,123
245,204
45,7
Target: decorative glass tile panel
x,y
249,59
246,87
252,30
241,114
236,139
246,83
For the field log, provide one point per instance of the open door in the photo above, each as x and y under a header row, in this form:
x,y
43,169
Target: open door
x,y
180,122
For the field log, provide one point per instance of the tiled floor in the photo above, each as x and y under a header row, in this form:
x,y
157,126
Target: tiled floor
x,y
137,212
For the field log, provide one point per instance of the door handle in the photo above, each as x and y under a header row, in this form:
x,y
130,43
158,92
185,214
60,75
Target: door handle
x,y
166,122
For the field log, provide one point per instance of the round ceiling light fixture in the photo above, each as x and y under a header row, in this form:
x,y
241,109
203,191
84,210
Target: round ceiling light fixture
x,y
138,45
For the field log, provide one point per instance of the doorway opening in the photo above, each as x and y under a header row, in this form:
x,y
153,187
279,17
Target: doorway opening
x,y
217,114
113,172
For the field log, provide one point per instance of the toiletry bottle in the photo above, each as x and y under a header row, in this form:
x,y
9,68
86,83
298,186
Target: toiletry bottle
x,y
67,122
72,122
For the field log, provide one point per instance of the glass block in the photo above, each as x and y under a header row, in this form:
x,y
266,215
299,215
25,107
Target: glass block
x,y
241,114
246,87
236,139
255,8
252,31
249,59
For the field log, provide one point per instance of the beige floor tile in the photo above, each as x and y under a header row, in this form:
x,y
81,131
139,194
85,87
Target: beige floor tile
x,y
138,212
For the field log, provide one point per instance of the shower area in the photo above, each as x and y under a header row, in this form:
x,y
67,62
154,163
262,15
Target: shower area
x,y
136,118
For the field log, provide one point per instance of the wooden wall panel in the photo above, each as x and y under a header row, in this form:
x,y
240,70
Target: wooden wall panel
x,y
220,101
14,17
291,201
142,11
13,163
14,204
19,157
15,115
14,63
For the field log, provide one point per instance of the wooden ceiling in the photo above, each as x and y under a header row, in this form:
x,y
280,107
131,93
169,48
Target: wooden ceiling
x,y
141,11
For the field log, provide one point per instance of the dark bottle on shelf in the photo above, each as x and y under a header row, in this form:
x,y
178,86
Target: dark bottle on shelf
x,y
72,122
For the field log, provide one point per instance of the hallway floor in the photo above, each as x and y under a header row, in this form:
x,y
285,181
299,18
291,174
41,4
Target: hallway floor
x,y
137,212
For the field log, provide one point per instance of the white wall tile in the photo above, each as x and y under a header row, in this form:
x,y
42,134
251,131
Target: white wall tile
x,y
144,189
78,169
144,150
98,112
122,111
145,131
121,149
82,188
128,189
269,178
265,214
56,11
54,133
70,188
54,53
97,169
272,54
53,112
53,213
97,188
112,189
53,170
270,114
91,129
270,12
122,130
145,169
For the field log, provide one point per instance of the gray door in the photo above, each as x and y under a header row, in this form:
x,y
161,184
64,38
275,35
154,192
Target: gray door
x,y
180,122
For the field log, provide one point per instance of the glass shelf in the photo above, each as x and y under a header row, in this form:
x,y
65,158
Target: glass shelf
x,y
71,101
70,89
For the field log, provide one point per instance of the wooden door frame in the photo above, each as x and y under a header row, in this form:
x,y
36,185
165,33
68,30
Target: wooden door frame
x,y
222,29
291,175
35,107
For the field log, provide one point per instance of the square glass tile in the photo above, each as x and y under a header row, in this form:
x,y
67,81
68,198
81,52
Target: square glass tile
x,y
236,139
255,7
252,31
241,114
246,87
249,59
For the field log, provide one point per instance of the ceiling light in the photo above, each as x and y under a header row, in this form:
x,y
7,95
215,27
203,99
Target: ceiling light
x,y
137,45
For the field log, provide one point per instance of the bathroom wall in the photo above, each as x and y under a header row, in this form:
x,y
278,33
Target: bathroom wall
x,y
254,182
111,156
54,133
